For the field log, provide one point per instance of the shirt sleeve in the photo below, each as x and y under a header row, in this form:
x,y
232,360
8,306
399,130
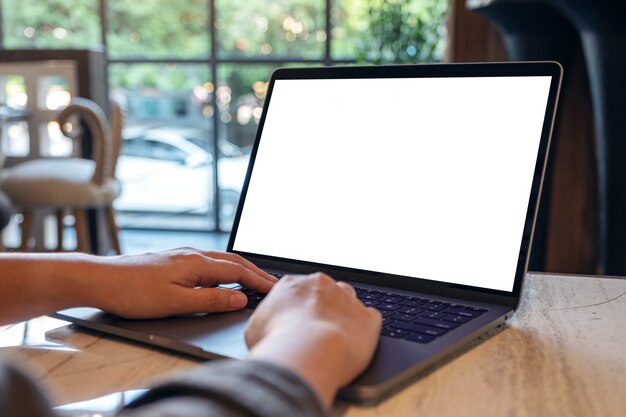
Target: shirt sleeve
x,y
230,388
19,396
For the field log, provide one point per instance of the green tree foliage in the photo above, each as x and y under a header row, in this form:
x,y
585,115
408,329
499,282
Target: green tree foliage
x,y
50,24
158,28
372,31
349,20
279,27
403,32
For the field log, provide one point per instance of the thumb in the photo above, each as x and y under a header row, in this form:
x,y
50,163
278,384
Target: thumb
x,y
214,300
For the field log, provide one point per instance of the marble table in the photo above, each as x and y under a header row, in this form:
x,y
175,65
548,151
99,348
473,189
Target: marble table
x,y
562,354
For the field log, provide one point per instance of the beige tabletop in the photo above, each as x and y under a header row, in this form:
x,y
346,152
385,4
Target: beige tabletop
x,y
563,354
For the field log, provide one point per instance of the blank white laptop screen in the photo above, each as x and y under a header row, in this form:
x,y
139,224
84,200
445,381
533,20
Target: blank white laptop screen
x,y
419,177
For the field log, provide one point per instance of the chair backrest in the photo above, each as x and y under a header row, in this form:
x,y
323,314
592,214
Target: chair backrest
x,y
105,153
116,120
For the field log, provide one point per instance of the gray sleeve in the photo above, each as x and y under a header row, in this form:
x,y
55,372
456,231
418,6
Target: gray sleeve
x,y
19,396
233,389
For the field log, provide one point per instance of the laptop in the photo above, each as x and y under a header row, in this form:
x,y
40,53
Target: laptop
x,y
419,185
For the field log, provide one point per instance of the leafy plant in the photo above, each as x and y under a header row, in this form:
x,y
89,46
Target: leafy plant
x,y
403,32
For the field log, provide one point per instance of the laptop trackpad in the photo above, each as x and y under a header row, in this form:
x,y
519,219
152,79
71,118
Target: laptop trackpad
x,y
209,335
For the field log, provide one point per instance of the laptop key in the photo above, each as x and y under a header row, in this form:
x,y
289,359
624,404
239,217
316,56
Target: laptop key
x,y
370,296
434,306
419,338
370,303
390,299
404,317
448,325
419,328
387,321
387,313
477,309
432,314
387,306
456,319
464,313
409,310
395,333
411,303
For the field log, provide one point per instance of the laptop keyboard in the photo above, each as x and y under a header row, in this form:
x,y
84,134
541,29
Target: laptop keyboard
x,y
415,319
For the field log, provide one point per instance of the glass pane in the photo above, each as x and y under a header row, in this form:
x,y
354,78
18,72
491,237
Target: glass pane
x,y
239,98
158,28
349,24
53,142
15,139
50,24
281,28
15,92
54,93
166,165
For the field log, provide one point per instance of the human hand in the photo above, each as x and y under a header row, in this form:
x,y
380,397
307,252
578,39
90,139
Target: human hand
x,y
317,328
166,283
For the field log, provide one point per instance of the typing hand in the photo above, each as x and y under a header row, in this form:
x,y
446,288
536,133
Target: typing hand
x,y
167,283
316,327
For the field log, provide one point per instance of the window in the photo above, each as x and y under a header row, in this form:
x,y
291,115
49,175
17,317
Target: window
x,y
192,76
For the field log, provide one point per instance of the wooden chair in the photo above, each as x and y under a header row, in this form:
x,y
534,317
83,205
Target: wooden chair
x,y
72,185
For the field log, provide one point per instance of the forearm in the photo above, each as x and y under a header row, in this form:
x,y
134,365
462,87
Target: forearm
x,y
36,284
230,388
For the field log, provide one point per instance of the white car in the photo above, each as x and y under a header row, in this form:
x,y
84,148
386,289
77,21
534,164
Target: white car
x,y
163,172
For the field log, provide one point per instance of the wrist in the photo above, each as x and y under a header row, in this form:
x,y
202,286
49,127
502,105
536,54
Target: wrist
x,y
71,279
317,356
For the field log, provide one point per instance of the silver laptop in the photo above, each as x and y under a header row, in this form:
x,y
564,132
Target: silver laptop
x,y
419,185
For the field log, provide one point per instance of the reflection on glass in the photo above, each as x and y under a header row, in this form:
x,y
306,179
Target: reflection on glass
x,y
54,93
54,25
158,28
166,163
279,28
53,142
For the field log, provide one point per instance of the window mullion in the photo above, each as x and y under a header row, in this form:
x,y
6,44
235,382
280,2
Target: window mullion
x,y
216,125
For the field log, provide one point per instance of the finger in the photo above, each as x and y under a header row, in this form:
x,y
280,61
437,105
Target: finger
x,y
238,259
226,272
254,330
212,300
347,288
377,318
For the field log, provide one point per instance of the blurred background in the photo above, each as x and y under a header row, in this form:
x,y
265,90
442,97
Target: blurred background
x,y
192,75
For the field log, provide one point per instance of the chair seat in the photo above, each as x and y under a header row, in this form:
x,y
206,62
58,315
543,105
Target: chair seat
x,y
57,183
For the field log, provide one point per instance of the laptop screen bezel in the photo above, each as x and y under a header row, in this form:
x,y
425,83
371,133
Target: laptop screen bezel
x,y
508,69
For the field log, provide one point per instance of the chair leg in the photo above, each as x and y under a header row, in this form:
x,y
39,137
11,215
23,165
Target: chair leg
x,y
27,225
82,233
60,229
113,230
